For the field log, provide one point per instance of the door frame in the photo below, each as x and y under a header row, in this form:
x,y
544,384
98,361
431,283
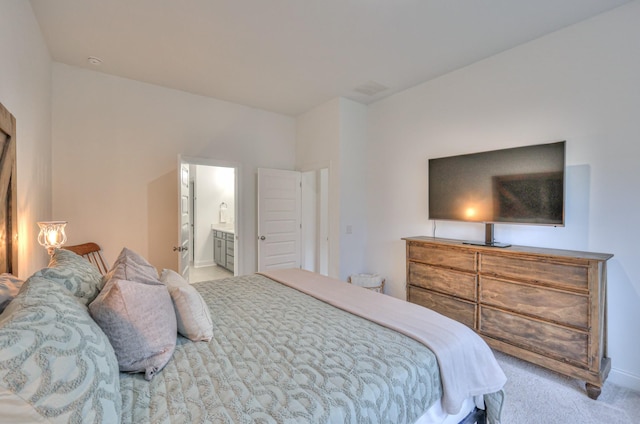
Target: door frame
x,y
238,266
318,166
315,221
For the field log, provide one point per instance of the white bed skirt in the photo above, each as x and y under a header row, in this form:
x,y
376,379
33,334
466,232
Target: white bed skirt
x,y
436,415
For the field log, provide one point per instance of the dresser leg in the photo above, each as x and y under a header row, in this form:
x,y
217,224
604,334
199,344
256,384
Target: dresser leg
x,y
593,391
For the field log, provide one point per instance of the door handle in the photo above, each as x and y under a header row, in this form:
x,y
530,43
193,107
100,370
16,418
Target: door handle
x,y
262,237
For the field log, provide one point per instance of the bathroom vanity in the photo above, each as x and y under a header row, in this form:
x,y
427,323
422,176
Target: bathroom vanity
x,y
223,248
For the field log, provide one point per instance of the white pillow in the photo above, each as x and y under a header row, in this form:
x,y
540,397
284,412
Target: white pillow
x,y
192,313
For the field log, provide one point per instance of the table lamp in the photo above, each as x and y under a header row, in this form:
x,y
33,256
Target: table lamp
x,y
52,234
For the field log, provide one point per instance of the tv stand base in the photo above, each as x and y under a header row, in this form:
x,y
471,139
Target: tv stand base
x,y
484,243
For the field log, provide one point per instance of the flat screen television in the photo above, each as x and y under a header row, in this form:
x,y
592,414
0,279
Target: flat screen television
x,y
520,185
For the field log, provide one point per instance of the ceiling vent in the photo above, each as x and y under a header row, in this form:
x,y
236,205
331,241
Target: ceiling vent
x,y
95,61
371,88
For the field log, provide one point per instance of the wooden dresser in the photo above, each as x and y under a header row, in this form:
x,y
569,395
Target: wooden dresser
x,y
545,306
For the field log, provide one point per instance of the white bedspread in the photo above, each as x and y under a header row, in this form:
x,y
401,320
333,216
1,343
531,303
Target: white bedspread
x,y
467,365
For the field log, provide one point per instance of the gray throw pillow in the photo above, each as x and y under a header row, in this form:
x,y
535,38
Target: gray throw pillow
x,y
139,321
75,273
131,266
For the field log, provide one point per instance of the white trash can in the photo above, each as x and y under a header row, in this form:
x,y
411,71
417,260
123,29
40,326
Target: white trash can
x,y
373,282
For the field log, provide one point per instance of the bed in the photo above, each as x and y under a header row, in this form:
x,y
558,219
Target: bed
x,y
285,347
300,360
277,355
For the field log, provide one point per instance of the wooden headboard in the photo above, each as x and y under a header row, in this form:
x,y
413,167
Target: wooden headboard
x,y
8,196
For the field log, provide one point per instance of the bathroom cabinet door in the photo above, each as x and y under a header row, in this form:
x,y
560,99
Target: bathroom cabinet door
x,y
219,249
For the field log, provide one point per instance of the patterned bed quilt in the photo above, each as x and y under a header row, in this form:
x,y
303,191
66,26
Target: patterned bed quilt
x,y
279,355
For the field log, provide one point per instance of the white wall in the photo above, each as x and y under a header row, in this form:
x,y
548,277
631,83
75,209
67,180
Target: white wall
x,y
333,135
25,90
580,84
354,177
115,148
318,146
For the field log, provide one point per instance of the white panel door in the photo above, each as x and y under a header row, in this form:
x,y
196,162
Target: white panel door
x,y
278,219
183,241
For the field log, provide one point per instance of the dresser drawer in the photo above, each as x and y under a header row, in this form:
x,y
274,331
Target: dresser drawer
x,y
551,340
459,310
452,258
443,280
552,305
551,273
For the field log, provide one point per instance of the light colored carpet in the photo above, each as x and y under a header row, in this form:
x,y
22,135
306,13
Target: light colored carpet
x,y
535,395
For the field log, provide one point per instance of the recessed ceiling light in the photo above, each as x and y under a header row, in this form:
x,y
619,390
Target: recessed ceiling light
x,y
95,61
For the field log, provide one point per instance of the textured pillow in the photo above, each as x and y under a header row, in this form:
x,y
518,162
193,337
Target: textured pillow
x,y
9,287
56,365
139,321
75,273
192,313
131,266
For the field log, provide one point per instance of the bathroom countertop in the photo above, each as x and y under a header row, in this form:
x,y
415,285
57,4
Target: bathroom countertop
x,y
227,228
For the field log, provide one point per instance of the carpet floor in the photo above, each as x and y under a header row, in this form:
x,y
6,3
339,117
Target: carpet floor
x,y
539,396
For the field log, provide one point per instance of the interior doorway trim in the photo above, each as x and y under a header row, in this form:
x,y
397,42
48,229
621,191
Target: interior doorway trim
x,y
239,252
315,166
331,241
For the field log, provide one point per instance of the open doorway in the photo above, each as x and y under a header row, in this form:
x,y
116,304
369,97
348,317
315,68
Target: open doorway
x,y
315,218
213,233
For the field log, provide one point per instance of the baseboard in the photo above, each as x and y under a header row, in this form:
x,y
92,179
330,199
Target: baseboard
x,y
624,379
201,264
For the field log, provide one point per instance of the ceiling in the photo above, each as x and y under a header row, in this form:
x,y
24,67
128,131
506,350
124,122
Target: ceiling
x,y
288,56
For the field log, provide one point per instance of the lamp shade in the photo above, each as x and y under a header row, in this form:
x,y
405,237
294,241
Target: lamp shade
x,y
52,234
